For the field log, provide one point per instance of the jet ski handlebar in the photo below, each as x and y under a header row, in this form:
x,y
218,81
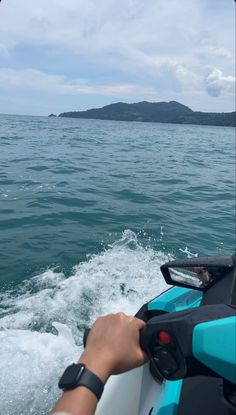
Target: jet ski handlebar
x,y
195,341
183,344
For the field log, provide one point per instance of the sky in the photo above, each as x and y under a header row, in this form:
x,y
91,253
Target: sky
x,y
62,55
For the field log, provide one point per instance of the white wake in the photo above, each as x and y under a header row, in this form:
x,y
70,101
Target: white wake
x,y
41,326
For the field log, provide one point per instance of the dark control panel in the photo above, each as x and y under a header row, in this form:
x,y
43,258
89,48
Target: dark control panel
x,y
166,355
167,339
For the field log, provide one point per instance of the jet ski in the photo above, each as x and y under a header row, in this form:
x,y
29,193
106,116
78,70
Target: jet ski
x,y
190,338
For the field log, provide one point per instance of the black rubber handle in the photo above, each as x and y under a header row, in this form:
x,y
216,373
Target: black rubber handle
x,y
85,336
142,340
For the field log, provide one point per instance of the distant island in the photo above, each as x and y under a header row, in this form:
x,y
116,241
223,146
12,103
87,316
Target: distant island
x,y
164,112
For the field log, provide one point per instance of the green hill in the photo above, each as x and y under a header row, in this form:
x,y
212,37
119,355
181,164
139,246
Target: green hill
x,y
164,112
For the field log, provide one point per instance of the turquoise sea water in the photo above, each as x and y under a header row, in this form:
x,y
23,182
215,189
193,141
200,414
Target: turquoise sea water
x,y
89,210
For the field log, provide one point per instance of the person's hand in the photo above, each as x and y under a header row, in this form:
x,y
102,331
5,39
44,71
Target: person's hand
x,y
113,345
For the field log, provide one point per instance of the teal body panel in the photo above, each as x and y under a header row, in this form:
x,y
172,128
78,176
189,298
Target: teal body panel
x,y
175,299
214,344
168,399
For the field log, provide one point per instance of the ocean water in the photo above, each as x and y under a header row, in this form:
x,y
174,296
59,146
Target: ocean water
x,y
89,210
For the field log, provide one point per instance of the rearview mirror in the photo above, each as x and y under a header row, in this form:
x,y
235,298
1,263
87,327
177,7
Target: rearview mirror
x,y
197,273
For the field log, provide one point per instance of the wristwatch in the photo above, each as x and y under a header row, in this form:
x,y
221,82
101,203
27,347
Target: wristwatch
x,y
78,375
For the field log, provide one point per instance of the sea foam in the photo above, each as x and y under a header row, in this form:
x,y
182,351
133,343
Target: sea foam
x,y
41,326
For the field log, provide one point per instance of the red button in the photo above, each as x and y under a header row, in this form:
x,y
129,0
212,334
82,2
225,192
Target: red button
x,y
165,337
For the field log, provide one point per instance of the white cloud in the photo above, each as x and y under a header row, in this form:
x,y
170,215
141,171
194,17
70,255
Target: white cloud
x,y
95,25
217,83
39,81
213,51
3,50
157,48
161,67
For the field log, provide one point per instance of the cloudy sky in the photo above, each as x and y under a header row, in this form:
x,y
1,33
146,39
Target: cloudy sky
x,y
60,55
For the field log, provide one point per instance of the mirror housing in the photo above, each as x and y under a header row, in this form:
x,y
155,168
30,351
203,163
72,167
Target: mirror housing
x,y
197,273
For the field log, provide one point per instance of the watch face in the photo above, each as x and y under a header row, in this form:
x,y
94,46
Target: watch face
x,y
71,376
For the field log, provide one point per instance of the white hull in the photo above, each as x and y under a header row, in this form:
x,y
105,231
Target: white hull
x,y
133,393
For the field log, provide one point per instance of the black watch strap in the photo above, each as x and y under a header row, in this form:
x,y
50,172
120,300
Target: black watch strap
x,y
78,375
92,382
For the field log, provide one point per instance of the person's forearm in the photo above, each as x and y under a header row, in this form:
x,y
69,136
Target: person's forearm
x,y
81,401
112,348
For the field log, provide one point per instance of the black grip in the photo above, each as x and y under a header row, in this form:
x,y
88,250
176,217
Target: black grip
x,y
142,340
85,336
